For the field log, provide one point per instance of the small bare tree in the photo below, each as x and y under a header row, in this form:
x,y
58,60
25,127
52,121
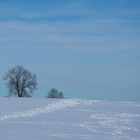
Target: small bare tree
x,y
54,93
20,82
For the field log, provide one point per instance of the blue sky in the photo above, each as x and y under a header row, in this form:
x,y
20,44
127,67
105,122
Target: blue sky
x,y
85,48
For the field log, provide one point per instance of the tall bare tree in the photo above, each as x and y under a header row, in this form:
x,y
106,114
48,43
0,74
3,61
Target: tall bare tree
x,y
20,81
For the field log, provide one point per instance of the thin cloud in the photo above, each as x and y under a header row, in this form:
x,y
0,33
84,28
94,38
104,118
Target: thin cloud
x,y
86,36
69,10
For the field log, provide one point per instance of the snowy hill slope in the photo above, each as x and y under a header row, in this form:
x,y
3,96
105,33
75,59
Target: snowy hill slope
x,y
43,119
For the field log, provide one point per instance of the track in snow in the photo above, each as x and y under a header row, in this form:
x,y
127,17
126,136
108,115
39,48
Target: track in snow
x,y
40,110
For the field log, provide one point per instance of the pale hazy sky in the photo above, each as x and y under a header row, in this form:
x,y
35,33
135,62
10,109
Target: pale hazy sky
x,y
85,48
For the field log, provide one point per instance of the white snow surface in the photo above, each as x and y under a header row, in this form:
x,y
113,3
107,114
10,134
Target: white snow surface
x,y
68,119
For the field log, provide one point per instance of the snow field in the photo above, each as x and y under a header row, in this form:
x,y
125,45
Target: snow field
x,y
68,119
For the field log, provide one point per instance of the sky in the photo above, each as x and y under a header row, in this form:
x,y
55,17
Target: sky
x,y
84,48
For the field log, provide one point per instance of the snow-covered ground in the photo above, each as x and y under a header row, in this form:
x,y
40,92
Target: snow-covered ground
x,y
68,119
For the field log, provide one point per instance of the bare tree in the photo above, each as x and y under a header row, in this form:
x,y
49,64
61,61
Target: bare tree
x,y
20,81
61,95
54,93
